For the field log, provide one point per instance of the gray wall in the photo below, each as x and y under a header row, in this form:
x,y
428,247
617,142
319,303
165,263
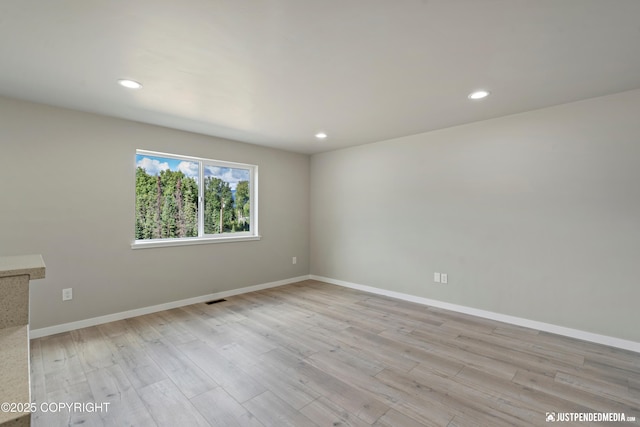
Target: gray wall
x,y
535,215
67,181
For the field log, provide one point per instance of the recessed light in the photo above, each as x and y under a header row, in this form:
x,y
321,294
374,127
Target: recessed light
x,y
479,94
321,135
130,84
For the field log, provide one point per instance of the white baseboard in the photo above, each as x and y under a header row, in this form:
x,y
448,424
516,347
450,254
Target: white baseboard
x,y
533,324
65,327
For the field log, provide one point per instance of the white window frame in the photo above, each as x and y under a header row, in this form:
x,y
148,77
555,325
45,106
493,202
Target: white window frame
x,y
202,238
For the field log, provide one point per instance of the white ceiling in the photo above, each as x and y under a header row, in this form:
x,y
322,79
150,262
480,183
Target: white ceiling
x,y
275,72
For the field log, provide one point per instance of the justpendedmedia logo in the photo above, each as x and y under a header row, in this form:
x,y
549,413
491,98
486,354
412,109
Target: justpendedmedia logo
x,y
598,417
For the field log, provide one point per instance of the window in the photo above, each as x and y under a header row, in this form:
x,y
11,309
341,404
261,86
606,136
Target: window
x,y
184,200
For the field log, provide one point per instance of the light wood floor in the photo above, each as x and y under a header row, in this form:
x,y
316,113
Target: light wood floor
x,y
316,354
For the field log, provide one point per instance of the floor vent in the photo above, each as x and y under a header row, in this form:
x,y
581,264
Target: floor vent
x,y
215,301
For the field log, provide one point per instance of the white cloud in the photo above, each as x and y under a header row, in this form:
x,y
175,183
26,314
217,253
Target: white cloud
x,y
230,175
190,169
152,166
213,171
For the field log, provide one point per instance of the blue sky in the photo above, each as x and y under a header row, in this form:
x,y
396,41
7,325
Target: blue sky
x,y
154,165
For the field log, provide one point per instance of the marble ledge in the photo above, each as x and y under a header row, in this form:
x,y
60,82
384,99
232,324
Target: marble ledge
x,y
31,265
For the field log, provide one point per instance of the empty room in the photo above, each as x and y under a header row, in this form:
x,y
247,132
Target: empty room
x,y
319,213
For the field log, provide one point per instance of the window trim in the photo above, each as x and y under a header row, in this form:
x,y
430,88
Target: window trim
x,y
207,238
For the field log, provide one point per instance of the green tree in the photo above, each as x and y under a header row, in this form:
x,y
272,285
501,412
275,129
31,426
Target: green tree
x,y
157,232
242,206
166,205
190,206
144,200
218,206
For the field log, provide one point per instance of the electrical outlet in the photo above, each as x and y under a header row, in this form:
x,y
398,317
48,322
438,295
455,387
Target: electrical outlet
x,y
444,278
294,260
67,294
436,277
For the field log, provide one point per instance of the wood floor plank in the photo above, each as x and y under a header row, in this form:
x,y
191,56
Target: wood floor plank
x,y
224,333
357,402
189,378
301,336
487,397
93,351
169,329
114,328
135,361
464,321
533,399
437,357
393,418
143,326
594,402
313,314
467,355
38,388
61,364
351,359
276,338
617,356
239,353
222,410
612,374
222,314
435,405
294,392
196,324
557,356
326,413
110,384
362,381
234,381
275,412
378,348
251,340
614,392
516,358
168,406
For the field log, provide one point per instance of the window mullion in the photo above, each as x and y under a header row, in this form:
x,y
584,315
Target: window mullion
x,y
200,199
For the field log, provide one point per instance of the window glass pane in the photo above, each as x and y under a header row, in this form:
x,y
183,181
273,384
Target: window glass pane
x,y
226,200
166,197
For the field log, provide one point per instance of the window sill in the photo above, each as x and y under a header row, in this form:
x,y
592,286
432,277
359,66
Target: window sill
x,y
159,243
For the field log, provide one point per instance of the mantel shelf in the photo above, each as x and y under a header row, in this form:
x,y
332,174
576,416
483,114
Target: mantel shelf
x,y
31,265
